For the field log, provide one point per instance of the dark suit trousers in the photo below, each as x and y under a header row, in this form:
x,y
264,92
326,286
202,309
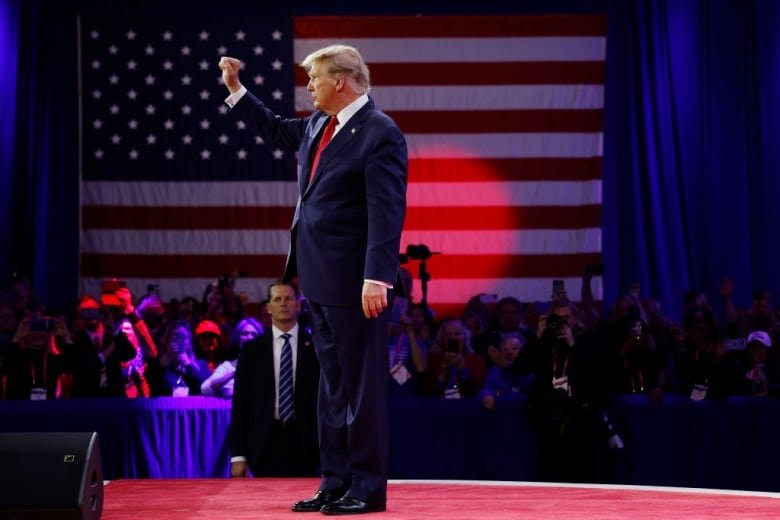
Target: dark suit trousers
x,y
352,407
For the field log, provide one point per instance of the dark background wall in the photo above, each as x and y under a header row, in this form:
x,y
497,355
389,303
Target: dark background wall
x,y
692,125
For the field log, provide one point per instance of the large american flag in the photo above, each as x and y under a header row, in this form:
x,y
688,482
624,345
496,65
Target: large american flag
x,y
502,115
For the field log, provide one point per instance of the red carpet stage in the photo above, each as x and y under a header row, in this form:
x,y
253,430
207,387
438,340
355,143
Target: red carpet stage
x,y
459,500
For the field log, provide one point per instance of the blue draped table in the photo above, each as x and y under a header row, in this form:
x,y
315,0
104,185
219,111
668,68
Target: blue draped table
x,y
733,443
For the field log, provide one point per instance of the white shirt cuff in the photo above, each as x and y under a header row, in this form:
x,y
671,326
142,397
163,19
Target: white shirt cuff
x,y
237,459
383,284
235,97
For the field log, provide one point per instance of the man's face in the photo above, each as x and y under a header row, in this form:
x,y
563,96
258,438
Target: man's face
x,y
510,348
509,317
283,304
322,88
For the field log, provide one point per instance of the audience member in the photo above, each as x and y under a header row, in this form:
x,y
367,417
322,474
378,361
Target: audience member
x,y
758,377
505,381
208,344
93,346
220,382
177,372
566,395
408,357
267,435
454,370
34,366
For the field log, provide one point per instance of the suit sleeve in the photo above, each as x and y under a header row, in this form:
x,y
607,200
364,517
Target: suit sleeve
x,y
286,133
240,413
385,175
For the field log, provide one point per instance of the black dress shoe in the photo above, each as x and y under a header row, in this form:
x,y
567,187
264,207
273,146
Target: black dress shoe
x,y
351,506
315,503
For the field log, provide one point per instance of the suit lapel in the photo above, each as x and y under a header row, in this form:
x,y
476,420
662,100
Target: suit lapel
x,y
340,141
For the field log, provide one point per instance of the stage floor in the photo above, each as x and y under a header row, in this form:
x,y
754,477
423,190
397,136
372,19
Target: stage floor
x,y
460,500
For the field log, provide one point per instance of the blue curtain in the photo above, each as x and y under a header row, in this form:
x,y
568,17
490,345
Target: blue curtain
x,y
9,43
690,143
692,122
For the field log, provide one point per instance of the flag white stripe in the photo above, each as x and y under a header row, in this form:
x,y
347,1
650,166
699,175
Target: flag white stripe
x,y
276,242
476,97
439,291
465,49
527,289
499,194
505,145
420,194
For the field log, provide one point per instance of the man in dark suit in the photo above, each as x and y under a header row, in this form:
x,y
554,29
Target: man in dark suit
x,y
352,168
260,438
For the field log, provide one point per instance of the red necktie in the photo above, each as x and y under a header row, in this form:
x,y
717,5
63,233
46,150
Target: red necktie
x,y
327,135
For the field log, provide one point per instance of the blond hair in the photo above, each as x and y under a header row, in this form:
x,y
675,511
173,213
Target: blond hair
x,y
342,60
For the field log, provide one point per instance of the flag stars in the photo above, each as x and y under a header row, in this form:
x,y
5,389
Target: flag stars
x,y
133,124
204,65
96,94
205,154
223,139
240,35
167,95
116,139
186,110
167,35
278,154
277,94
130,34
132,94
258,50
222,109
150,109
133,154
259,80
186,139
151,139
113,50
168,124
96,64
114,109
169,154
168,65
185,51
94,34
205,124
98,154
259,140
204,36
240,125
131,65
186,80
276,35
97,124
221,50
204,95
149,80
241,154
149,50
220,81
113,79
276,65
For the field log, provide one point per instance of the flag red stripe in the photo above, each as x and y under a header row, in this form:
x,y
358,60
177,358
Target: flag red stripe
x,y
495,121
417,218
334,27
271,266
521,169
499,73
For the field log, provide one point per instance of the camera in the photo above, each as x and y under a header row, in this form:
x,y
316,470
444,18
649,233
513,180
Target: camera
x,y
416,252
555,322
42,325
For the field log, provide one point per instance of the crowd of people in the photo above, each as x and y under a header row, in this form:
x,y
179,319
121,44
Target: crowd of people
x,y
565,360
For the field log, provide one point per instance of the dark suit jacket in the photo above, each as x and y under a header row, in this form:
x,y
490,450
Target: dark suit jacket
x,y
348,222
254,397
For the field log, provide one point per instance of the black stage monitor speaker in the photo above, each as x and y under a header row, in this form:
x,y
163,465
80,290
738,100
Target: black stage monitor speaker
x,y
52,476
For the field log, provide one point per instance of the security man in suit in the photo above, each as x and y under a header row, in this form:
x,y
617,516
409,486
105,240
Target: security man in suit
x,y
345,238
264,436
